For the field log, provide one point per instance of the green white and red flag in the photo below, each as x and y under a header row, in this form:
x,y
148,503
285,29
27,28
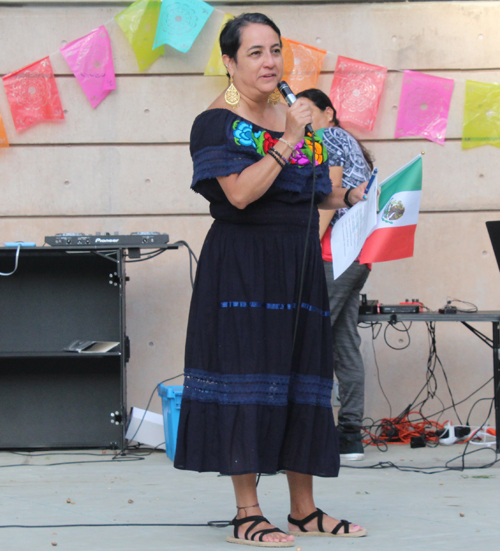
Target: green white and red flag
x,y
394,236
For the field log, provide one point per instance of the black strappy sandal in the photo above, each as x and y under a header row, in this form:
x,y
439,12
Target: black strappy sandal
x,y
321,532
255,521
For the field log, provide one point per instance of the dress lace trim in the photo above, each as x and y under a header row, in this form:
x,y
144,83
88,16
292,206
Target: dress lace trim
x,y
262,389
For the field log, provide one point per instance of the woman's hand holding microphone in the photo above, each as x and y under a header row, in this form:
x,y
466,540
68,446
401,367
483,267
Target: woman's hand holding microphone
x,y
298,115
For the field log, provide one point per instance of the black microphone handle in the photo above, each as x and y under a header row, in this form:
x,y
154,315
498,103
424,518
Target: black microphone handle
x,y
290,99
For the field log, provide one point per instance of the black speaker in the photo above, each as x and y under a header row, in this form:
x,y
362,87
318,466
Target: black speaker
x,y
50,398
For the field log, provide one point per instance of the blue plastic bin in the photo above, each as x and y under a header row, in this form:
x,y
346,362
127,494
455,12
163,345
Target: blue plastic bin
x,y
171,397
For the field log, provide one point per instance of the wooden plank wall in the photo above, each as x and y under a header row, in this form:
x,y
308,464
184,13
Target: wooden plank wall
x,y
125,167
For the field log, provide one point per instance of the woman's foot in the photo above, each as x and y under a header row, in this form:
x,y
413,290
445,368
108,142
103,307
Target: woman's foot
x,y
276,537
249,526
265,533
319,523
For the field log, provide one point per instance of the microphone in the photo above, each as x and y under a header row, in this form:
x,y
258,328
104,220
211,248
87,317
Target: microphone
x,y
290,98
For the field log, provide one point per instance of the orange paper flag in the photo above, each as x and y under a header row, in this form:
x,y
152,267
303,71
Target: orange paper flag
x,y
302,64
3,136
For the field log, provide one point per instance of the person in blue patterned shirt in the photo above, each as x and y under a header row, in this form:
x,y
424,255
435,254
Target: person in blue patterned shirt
x,y
350,167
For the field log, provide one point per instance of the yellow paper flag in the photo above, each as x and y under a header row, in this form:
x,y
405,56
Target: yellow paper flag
x,y
4,142
481,115
215,66
138,22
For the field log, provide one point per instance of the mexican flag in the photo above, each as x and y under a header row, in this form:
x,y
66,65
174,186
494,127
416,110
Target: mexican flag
x,y
394,235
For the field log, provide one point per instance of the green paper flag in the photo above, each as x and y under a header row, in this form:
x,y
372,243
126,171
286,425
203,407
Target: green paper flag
x,y
139,22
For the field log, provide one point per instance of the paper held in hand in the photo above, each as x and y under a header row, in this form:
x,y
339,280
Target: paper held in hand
x,y
351,230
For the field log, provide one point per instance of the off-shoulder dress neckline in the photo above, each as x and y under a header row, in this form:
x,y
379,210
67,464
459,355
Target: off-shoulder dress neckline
x,y
236,116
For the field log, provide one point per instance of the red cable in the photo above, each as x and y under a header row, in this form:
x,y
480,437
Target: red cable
x,y
400,430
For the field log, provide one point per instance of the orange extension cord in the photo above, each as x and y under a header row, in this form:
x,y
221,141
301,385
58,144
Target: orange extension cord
x,y
400,430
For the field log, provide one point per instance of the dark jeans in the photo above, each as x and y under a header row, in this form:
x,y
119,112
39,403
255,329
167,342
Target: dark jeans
x,y
343,294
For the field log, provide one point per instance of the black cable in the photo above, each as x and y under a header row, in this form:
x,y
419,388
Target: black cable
x,y
381,444
376,365
115,458
386,424
375,426
430,375
404,330
470,440
191,257
474,308
134,451
428,470
437,469
431,383
148,404
461,401
462,456
146,256
213,523
118,457
394,325
482,425
303,269
449,390
157,252
45,454
371,325
467,424
433,360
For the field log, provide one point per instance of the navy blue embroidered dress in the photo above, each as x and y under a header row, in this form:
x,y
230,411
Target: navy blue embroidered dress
x,y
249,405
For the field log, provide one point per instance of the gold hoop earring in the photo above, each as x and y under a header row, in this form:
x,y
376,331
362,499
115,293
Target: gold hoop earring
x,y
274,98
232,96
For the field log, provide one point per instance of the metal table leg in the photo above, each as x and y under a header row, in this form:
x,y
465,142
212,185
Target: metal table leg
x,y
496,378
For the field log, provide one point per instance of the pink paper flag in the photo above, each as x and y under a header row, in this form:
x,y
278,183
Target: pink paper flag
x,y
356,91
32,94
90,58
424,106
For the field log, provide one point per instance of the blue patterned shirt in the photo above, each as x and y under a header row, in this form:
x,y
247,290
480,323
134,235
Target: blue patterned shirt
x,y
343,150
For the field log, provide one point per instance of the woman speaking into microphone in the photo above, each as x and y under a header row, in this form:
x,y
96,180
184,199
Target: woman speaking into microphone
x,y
258,381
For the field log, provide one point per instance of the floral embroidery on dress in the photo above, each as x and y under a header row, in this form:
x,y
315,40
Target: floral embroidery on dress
x,y
262,141
303,152
268,142
243,134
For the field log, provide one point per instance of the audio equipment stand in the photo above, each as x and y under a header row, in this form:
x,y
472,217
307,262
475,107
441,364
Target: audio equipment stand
x,y
492,316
